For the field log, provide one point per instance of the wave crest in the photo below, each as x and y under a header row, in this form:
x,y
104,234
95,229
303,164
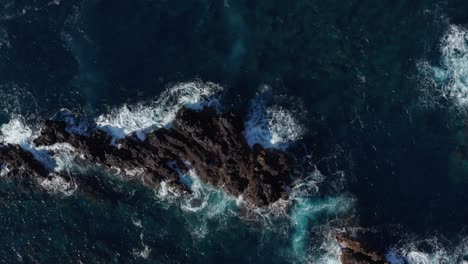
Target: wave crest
x,y
142,117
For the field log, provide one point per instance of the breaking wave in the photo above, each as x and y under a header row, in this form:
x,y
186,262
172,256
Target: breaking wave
x,y
271,126
16,132
142,117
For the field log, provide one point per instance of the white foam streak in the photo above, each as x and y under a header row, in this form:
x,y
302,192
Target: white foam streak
x,y
145,251
204,203
141,118
210,200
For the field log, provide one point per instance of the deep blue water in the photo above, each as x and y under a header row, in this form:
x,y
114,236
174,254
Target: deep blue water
x,y
382,127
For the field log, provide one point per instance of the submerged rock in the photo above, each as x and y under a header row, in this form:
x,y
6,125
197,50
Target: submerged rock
x,y
211,144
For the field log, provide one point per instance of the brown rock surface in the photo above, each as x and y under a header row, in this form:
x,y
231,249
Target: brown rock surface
x,y
362,248
211,144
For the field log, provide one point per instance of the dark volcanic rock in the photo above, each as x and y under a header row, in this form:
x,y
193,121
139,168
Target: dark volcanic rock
x,y
130,154
21,168
216,148
15,161
362,248
211,144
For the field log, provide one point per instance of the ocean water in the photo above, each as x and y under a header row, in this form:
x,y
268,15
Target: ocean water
x,y
373,92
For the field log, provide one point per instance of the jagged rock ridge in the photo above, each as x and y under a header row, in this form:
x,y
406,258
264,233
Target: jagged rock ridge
x,y
212,144
363,247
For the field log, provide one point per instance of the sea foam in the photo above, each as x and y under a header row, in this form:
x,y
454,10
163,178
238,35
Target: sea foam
x,y
143,117
270,125
56,184
16,131
435,252
449,79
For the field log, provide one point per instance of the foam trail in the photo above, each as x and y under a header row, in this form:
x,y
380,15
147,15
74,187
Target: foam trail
x,y
204,198
141,118
204,203
270,126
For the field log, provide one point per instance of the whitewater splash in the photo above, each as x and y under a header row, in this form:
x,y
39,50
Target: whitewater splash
x,y
204,198
449,80
143,117
16,131
271,126
437,252
57,185
268,124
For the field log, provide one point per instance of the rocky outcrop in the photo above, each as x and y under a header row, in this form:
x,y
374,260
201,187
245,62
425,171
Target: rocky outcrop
x,y
216,148
211,144
362,247
17,162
